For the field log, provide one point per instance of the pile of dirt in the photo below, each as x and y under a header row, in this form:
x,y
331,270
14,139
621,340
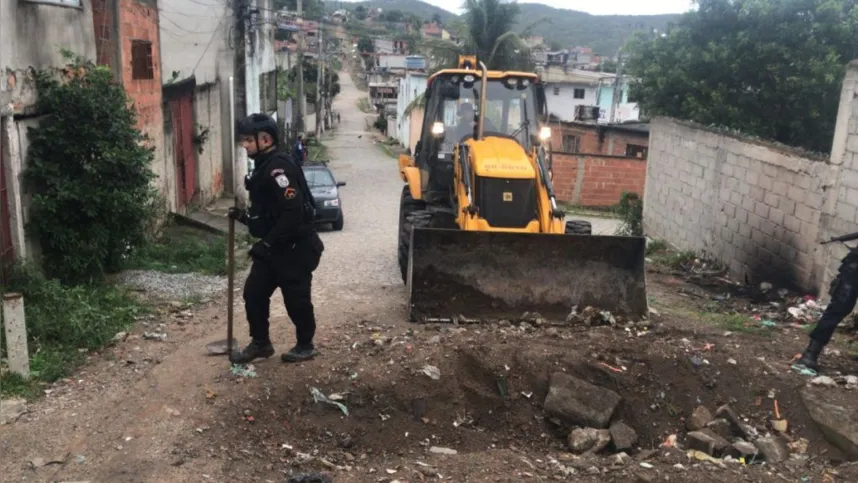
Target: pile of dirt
x,y
452,390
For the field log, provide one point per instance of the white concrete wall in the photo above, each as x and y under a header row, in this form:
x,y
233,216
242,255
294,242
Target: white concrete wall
x,y
754,206
31,36
195,40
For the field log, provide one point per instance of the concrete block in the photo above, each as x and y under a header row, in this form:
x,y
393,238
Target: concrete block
x,y
768,228
758,237
780,186
741,215
762,210
787,205
752,177
845,211
796,194
766,182
849,179
776,216
771,171
804,212
852,196
754,220
730,210
758,194
748,203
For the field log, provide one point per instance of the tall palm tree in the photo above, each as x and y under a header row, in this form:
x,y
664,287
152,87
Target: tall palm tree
x,y
487,30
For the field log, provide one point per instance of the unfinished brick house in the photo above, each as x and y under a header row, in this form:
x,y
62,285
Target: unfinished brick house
x,y
127,40
595,163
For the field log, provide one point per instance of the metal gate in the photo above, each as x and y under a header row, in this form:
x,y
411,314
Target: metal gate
x,y
181,108
7,251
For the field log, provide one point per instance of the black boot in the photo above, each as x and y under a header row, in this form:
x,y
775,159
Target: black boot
x,y
299,353
254,350
811,354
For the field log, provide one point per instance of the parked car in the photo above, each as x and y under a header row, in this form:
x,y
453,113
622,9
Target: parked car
x,y
325,190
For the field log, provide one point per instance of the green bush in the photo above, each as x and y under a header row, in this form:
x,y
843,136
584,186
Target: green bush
x,y
381,123
89,174
64,323
630,211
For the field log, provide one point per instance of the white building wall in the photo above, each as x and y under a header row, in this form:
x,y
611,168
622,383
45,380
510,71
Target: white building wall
x,y
561,99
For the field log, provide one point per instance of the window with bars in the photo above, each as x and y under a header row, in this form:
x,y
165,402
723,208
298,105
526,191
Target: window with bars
x,y
142,67
579,93
571,144
636,151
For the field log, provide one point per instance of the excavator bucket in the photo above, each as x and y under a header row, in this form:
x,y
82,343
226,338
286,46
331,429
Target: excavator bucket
x,y
472,276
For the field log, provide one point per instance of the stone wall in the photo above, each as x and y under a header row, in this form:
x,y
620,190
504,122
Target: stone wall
x,y
756,207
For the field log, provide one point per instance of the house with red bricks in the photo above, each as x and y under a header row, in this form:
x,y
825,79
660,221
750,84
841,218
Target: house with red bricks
x,y
593,164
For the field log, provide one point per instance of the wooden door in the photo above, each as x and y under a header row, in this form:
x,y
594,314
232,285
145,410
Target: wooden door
x,y
182,111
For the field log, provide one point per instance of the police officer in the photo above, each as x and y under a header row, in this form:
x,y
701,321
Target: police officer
x,y
281,216
844,294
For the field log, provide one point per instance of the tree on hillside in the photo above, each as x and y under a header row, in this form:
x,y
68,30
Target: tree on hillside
x,y
360,12
489,32
768,68
366,45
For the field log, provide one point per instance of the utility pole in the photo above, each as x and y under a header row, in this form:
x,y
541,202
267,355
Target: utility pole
x,y
616,98
299,108
319,83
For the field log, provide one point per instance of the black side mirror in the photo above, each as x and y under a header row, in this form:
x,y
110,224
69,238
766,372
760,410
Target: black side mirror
x,y
340,183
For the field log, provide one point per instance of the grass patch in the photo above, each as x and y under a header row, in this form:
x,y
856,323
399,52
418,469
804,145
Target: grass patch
x,y
64,323
317,151
183,249
656,246
364,105
736,323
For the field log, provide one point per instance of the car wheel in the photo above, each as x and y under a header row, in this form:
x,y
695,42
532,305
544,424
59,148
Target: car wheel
x,y
338,223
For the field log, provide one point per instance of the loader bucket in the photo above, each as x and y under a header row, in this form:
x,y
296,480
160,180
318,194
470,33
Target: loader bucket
x,y
475,276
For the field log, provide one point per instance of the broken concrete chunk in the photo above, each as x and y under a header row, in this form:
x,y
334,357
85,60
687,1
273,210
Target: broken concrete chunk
x,y
624,436
583,440
837,423
441,450
742,449
706,441
737,426
772,448
699,419
721,427
578,403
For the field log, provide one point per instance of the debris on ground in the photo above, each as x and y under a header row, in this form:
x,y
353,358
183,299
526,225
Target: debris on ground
x,y
577,402
242,370
12,409
319,396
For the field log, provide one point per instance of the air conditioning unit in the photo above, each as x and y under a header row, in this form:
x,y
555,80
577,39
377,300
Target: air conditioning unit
x,y
586,113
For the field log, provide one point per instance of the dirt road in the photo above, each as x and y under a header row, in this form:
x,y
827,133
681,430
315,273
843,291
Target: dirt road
x,y
420,402
127,416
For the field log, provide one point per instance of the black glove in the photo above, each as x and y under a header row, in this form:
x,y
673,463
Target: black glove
x,y
238,215
260,250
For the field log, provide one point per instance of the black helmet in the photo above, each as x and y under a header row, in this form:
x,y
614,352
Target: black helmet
x,y
257,123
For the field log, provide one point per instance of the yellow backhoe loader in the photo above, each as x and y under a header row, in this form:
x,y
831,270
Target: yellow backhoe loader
x,y
481,237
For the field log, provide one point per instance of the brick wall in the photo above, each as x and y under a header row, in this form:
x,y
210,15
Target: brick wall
x,y
138,21
596,181
596,139
755,207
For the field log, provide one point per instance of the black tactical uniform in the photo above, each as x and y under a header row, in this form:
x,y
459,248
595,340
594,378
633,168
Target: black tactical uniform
x,y
281,215
844,294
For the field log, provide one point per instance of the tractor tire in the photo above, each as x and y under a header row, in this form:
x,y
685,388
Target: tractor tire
x,y
579,227
408,208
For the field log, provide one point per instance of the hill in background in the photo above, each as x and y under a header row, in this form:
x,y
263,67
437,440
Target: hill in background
x,y
569,28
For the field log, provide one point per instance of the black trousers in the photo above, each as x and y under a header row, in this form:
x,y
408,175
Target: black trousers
x,y
844,294
291,270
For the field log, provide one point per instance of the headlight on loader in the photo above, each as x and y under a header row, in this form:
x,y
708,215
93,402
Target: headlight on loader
x,y
332,202
545,133
438,128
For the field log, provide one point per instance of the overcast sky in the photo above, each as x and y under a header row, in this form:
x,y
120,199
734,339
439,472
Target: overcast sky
x,y
596,7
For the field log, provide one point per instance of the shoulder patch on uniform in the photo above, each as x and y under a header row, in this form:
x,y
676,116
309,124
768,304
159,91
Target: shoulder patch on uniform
x,y
282,180
290,193
276,171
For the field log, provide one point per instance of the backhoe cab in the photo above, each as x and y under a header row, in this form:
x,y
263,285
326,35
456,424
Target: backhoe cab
x,y
480,231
